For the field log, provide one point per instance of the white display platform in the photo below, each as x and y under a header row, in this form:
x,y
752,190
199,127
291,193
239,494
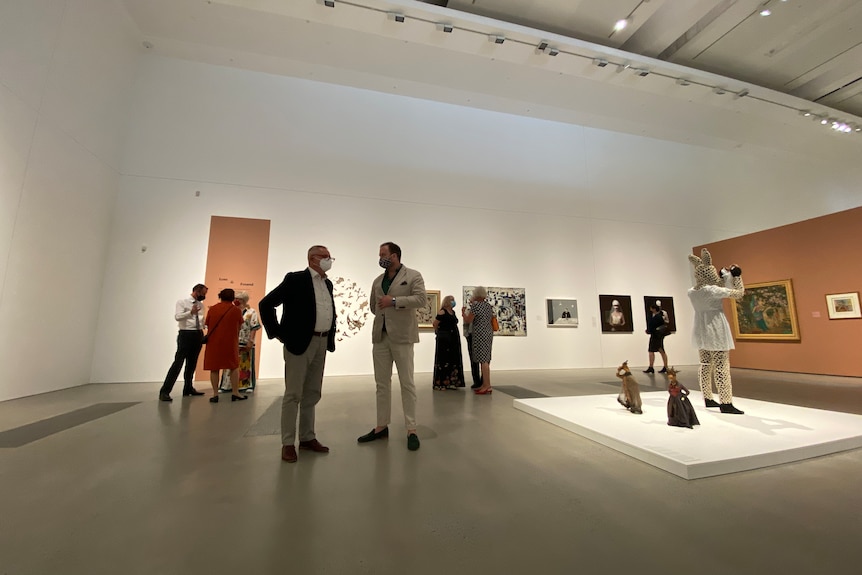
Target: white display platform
x,y
768,433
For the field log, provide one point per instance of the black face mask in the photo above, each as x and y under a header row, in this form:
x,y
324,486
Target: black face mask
x,y
200,297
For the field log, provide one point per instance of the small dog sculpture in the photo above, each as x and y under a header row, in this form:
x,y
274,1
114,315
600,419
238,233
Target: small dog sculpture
x,y
630,395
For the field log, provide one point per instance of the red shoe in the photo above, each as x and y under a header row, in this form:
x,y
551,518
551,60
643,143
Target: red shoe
x,y
288,453
483,391
313,445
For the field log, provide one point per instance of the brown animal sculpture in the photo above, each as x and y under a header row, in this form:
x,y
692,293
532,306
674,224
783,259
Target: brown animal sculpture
x,y
630,395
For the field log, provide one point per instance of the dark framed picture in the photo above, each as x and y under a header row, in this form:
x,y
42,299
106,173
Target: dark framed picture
x,y
616,313
665,303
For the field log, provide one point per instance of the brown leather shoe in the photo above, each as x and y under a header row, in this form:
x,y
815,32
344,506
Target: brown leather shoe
x,y
314,445
288,453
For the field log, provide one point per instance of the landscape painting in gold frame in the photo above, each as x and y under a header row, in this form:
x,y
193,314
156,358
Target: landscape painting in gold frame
x,y
767,312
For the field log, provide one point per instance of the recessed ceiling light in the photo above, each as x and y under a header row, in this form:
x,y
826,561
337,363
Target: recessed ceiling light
x,y
621,24
766,12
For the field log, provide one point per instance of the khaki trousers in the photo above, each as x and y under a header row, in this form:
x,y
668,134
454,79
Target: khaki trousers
x,y
385,354
303,382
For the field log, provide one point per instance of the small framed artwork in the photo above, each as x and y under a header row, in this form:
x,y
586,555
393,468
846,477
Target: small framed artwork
x,y
427,314
665,304
616,312
767,312
843,305
562,312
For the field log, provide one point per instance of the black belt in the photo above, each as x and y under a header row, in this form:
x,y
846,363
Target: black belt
x,y
320,333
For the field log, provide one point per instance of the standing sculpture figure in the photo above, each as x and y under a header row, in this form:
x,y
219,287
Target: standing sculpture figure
x,y
711,335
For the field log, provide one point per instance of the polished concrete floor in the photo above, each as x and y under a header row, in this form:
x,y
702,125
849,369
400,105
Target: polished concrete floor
x,y
191,487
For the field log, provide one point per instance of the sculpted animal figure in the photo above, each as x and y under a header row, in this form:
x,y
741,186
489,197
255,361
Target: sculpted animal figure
x,y
630,395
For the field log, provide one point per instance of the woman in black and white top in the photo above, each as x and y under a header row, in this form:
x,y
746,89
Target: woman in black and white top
x,y
480,315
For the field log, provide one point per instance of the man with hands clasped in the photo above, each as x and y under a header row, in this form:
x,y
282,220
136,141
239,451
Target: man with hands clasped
x,y
395,296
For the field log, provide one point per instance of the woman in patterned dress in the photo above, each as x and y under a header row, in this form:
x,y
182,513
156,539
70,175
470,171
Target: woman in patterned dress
x,y
480,316
448,362
250,325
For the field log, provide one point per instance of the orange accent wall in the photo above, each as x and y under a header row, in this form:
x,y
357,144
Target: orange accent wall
x,y
821,257
236,258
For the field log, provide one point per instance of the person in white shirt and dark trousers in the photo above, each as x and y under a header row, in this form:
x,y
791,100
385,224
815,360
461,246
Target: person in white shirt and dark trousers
x,y
189,313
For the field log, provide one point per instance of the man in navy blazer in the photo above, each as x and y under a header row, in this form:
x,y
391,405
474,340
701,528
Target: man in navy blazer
x,y
307,330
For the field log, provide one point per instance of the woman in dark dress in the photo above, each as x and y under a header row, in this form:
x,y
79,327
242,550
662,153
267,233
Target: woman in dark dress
x,y
680,411
657,330
448,363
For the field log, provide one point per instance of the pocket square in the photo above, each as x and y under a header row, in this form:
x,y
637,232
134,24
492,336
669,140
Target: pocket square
x,y
404,283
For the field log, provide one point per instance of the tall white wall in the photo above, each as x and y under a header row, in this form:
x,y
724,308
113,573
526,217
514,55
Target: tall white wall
x,y
473,197
66,72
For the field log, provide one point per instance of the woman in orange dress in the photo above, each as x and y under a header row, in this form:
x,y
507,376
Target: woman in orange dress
x,y
222,344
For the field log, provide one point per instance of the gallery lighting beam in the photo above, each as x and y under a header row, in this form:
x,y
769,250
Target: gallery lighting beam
x,y
543,46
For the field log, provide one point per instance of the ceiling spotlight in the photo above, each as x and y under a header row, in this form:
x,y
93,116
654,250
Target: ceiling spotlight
x,y
719,90
766,12
824,121
641,72
496,39
553,51
683,82
600,62
741,94
327,3
395,16
545,48
542,45
805,113
621,25
445,27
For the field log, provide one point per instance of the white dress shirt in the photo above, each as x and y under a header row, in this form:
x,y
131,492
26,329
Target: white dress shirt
x,y
323,301
185,318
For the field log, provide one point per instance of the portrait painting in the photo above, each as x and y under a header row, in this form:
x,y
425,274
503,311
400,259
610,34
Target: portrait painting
x,y
616,313
667,309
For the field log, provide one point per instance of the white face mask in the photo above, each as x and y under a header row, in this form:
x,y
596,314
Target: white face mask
x,y
326,264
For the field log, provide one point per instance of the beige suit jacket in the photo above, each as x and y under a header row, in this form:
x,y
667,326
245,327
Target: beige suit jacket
x,y
408,289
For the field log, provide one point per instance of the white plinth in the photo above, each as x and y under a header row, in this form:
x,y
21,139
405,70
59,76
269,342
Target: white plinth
x,y
768,433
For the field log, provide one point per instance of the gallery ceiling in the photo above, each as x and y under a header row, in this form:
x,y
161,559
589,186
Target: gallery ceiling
x,y
808,48
716,88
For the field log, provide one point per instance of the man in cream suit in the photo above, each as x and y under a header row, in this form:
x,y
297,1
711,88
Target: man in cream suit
x,y
395,296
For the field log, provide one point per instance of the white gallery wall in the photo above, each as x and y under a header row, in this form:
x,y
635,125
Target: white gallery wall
x,y
66,71
472,196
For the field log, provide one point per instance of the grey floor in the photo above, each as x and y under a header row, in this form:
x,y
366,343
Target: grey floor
x,y
191,487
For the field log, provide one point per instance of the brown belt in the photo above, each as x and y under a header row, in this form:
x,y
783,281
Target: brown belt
x,y
320,333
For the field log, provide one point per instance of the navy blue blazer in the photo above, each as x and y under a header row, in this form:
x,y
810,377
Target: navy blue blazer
x,y
297,327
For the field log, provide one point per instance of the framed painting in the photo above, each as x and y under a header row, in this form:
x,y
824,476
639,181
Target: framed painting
x,y
667,310
427,314
562,312
843,305
767,312
616,312
510,306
